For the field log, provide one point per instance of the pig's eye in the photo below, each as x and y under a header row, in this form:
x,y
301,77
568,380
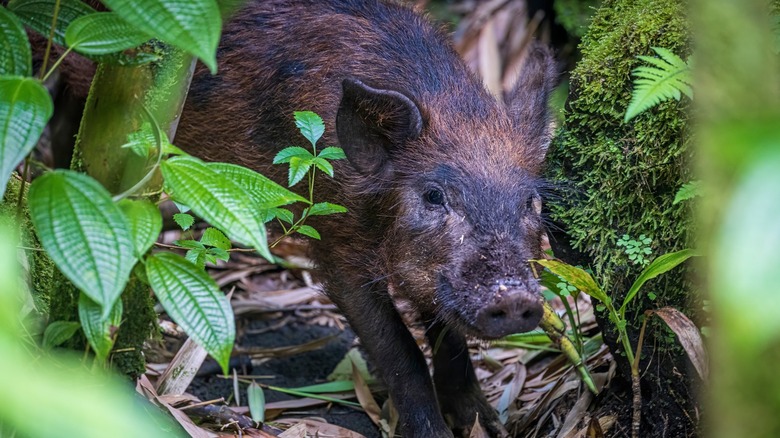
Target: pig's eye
x,y
434,197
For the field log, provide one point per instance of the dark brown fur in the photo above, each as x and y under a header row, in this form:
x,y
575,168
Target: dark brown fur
x,y
413,122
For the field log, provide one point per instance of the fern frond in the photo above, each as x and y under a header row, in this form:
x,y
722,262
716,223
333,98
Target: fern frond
x,y
667,77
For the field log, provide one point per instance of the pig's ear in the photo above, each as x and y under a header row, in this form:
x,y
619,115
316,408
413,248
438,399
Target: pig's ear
x,y
372,123
527,102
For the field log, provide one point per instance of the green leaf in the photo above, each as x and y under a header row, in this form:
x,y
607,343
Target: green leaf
x,y
25,108
197,256
658,266
192,244
331,387
218,253
577,278
217,199
37,15
145,223
193,300
669,77
214,237
325,208
688,191
256,402
323,165
282,214
15,57
286,154
84,233
102,33
307,230
191,25
298,169
264,192
183,220
98,329
58,332
310,125
332,153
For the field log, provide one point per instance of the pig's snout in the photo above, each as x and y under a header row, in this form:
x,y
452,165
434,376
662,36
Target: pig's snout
x,y
513,309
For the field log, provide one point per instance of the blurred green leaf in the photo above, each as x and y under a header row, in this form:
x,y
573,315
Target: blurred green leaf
x,y
191,25
25,108
99,330
145,223
217,199
84,232
325,208
256,402
310,125
37,15
58,332
10,284
688,191
193,300
183,220
102,33
16,57
307,230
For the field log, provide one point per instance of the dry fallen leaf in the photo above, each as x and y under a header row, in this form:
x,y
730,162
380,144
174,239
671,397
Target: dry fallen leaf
x,y
689,337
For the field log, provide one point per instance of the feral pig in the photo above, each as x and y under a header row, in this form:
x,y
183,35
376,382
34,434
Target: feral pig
x,y
440,181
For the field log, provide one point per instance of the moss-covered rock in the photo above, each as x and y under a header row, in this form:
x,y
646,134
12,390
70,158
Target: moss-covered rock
x,y
619,178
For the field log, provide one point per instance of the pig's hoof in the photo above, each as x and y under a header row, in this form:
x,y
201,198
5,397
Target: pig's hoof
x,y
461,410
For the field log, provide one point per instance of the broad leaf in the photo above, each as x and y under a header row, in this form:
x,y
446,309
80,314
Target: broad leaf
x,y
145,223
25,108
310,125
194,301
84,232
323,165
37,15
98,329
256,402
15,57
184,220
307,230
58,332
298,169
191,25
657,267
577,278
264,192
286,154
669,77
217,199
325,208
332,153
103,33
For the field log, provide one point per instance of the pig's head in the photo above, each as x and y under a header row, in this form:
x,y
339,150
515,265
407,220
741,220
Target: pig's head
x,y
455,178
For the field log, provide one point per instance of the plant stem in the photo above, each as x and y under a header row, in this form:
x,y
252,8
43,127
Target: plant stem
x,y
46,54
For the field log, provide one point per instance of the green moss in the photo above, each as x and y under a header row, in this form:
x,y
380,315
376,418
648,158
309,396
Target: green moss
x,y
139,322
575,15
621,178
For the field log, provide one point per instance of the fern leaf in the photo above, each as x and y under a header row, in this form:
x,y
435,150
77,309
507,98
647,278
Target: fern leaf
x,y
667,77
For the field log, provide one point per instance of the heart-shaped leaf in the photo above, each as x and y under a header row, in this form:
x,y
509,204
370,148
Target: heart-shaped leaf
x,y
84,232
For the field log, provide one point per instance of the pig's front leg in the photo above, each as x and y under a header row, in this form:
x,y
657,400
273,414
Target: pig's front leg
x,y
393,350
457,386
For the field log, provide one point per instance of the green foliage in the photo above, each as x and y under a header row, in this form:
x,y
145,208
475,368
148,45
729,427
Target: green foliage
x,y
213,246
184,220
16,57
37,15
84,232
194,301
637,249
191,25
25,108
688,191
58,332
256,402
621,178
668,79
102,33
145,223
575,15
99,329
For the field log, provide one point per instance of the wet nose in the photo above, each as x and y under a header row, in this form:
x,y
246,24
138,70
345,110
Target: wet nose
x,y
514,309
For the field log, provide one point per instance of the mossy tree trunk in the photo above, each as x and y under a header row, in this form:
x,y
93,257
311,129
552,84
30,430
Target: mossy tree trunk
x,y
115,109
620,178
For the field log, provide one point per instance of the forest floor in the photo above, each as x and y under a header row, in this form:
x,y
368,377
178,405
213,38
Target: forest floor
x,y
290,336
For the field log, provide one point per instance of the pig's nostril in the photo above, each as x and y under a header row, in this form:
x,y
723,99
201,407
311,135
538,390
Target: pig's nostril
x,y
497,314
528,314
